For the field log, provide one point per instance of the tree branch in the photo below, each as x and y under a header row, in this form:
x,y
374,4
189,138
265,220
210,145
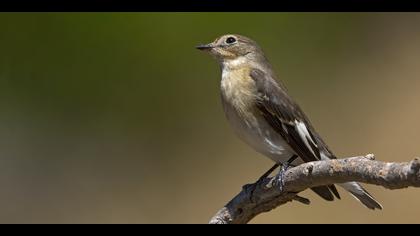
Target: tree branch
x,y
265,195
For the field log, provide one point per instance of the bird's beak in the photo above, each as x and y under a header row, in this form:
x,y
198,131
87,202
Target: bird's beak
x,y
205,47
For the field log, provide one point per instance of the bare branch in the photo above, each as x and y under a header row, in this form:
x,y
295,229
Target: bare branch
x,y
266,195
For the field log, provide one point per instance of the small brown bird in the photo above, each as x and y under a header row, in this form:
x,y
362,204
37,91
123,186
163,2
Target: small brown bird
x,y
262,113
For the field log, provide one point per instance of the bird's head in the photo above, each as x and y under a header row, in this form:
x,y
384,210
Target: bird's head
x,y
231,47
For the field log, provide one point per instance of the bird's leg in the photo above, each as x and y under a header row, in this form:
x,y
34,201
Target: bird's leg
x,y
259,181
268,172
282,171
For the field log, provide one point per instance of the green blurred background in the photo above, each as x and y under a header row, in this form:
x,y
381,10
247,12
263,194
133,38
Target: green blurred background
x,y
116,117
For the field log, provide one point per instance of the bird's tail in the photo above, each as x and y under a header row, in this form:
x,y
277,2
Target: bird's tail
x,y
358,192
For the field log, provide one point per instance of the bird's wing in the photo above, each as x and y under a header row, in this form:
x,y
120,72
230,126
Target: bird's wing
x,y
286,117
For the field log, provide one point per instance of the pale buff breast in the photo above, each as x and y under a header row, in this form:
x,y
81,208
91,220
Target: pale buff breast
x,y
239,90
238,98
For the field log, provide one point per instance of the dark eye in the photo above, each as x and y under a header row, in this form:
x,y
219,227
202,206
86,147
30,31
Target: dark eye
x,y
230,40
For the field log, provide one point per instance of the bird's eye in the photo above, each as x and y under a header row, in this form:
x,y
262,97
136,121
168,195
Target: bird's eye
x,y
230,40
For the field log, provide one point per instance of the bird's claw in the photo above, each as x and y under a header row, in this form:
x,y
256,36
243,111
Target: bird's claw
x,y
279,180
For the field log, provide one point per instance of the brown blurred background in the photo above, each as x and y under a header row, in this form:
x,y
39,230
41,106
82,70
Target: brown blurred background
x,y
116,117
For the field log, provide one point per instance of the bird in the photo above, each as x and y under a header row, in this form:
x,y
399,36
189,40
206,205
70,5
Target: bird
x,y
262,113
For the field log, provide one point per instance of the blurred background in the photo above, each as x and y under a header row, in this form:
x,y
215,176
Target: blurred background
x,y
116,117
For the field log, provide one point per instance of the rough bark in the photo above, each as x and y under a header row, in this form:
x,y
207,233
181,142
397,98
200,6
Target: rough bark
x,y
266,194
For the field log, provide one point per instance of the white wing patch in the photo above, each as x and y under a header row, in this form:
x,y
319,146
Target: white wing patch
x,y
305,136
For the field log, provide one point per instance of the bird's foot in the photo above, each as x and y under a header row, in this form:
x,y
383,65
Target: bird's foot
x,y
279,179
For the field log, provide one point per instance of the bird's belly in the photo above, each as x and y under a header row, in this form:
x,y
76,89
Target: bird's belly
x,y
257,133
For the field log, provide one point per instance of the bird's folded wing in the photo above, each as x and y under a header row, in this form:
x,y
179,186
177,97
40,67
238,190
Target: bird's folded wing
x,y
285,116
